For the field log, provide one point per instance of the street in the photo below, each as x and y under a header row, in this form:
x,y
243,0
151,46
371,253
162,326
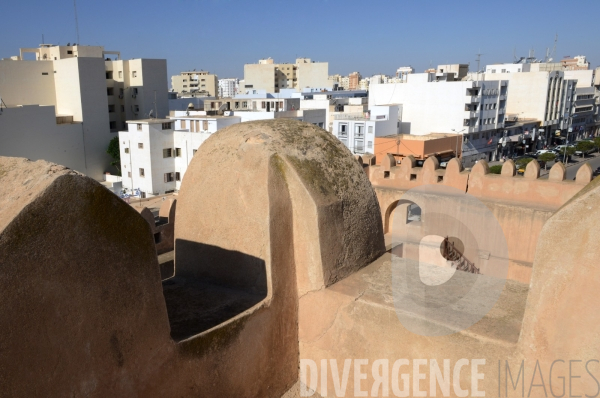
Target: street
x,y
572,168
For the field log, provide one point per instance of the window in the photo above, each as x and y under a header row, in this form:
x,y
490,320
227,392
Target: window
x,y
121,74
139,128
178,152
169,177
133,73
264,105
194,152
177,176
183,124
142,173
113,125
44,73
129,174
126,150
166,126
111,109
109,75
244,104
205,125
110,91
122,108
369,144
167,153
137,108
140,145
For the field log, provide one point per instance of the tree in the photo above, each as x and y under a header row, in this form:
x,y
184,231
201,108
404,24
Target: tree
x,y
497,169
115,153
523,162
547,157
566,152
585,147
597,143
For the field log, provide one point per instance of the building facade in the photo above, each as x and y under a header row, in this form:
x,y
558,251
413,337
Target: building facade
x,y
357,131
196,82
271,77
228,87
92,92
475,109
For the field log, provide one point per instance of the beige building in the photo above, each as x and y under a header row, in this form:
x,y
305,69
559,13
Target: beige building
x,y
195,82
271,77
459,70
354,79
68,103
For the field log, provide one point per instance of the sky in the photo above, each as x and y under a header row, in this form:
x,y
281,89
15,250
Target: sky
x,y
371,37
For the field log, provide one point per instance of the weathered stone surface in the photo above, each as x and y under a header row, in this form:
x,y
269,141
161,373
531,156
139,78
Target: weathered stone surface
x,y
81,308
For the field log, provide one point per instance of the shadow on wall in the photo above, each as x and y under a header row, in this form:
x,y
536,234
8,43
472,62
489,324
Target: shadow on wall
x,y
223,284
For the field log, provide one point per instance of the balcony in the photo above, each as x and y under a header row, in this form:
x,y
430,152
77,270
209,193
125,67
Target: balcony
x,y
350,116
474,98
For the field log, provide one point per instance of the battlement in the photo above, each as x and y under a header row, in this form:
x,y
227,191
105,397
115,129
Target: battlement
x,y
529,189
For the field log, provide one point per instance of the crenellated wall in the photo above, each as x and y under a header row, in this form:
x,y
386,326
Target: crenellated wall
x,y
521,204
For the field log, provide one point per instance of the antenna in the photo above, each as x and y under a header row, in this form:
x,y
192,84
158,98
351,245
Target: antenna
x,y
478,63
76,21
553,48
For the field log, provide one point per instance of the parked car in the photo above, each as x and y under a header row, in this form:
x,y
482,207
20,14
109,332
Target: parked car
x,y
540,151
596,172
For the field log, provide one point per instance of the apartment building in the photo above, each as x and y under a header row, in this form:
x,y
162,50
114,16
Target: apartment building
x,y
67,102
584,109
543,96
459,70
357,131
354,79
432,103
403,72
155,153
196,82
228,87
271,77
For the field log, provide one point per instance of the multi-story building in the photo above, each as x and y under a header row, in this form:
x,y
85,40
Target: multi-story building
x,y
403,72
63,105
196,82
543,96
584,109
271,77
155,153
429,103
354,79
228,87
459,70
357,131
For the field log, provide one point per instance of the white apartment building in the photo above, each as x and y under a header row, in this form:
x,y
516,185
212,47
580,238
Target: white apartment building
x,y
63,105
357,131
228,87
474,109
155,153
196,82
403,72
271,77
543,96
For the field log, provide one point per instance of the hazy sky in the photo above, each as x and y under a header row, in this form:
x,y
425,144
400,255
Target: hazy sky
x,y
366,36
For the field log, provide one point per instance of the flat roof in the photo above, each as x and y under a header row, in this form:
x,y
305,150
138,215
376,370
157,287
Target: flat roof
x,y
201,117
424,137
148,121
